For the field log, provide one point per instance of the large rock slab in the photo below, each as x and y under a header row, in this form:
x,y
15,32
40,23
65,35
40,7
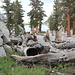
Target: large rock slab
x,y
1,42
1,33
5,31
2,52
7,48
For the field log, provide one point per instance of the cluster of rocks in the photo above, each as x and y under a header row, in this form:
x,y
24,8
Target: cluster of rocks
x,y
4,39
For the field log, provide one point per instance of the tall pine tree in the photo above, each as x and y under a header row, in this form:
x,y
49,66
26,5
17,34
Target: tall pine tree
x,y
36,14
7,8
55,20
17,15
62,14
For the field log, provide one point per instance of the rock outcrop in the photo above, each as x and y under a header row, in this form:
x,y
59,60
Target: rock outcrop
x,y
4,39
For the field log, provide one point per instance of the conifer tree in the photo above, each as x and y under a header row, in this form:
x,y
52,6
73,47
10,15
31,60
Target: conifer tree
x,y
62,14
7,8
36,14
17,15
55,20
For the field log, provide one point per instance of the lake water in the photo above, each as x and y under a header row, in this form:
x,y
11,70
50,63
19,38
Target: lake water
x,y
28,29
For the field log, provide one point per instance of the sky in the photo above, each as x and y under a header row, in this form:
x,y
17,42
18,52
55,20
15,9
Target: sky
x,y
47,7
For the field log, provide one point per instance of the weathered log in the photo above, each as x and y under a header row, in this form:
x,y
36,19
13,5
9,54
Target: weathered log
x,y
36,48
36,58
51,57
67,45
32,49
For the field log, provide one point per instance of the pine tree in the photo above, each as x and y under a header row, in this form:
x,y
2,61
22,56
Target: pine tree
x,y
62,10
63,14
55,20
66,4
17,15
7,8
41,14
36,14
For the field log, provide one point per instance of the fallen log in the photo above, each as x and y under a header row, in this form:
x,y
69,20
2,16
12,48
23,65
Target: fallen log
x,y
51,57
36,58
67,45
35,48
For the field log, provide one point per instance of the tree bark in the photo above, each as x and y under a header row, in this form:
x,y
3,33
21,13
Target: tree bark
x,y
68,21
37,30
73,27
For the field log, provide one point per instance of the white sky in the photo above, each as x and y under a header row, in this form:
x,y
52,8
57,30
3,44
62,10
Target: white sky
x,y
47,7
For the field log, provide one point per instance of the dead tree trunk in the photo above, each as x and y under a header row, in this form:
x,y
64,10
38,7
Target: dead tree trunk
x,y
59,35
47,37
